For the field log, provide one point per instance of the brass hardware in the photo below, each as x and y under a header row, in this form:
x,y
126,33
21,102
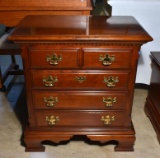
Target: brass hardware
x,y
49,81
107,120
111,81
52,120
80,79
109,101
54,59
50,102
107,59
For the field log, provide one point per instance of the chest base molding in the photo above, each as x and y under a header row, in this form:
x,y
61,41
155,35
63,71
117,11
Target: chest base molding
x,y
122,138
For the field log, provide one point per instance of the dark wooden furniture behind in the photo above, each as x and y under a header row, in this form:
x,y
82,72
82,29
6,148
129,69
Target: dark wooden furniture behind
x,y
13,11
80,73
11,49
152,106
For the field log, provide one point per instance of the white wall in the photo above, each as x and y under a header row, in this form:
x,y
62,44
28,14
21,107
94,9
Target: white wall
x,y
147,13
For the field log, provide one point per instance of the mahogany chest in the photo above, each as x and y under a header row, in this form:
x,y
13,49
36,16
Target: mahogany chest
x,y
152,105
80,73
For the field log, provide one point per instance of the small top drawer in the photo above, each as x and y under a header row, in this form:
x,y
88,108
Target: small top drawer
x,y
107,58
53,58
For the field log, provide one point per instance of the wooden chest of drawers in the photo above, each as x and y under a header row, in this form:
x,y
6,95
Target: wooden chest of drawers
x,y
152,105
80,73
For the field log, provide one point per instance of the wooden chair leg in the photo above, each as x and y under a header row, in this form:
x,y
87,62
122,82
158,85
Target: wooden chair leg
x,y
1,81
2,87
13,59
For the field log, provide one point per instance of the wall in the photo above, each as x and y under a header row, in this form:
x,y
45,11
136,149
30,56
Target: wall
x,y
147,13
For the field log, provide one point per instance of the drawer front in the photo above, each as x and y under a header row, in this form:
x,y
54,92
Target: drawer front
x,y
53,58
80,79
80,119
79,100
107,58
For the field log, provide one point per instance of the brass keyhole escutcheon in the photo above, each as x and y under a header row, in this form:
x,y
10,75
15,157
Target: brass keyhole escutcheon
x,y
52,119
111,81
53,59
107,59
50,81
80,79
109,101
51,101
107,120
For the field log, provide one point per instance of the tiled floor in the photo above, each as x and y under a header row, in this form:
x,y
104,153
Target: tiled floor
x,y
13,116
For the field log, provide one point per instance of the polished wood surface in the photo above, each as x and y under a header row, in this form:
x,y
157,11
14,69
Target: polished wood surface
x,y
152,106
76,28
80,73
96,99
90,60
13,11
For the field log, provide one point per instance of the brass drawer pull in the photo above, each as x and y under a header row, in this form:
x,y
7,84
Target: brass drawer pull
x,y
52,120
111,81
107,120
80,79
53,59
49,81
50,102
109,101
107,59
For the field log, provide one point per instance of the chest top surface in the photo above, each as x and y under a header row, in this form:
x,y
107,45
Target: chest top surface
x,y
77,28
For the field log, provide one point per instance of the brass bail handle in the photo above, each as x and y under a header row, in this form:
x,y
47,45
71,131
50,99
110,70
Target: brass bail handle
x,y
51,120
107,120
80,79
109,101
111,81
50,81
51,101
107,59
53,59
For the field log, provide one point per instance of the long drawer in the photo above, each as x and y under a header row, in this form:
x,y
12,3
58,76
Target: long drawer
x,y
79,100
80,118
80,79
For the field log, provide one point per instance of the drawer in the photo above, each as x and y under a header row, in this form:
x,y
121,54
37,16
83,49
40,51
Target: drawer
x,y
80,79
81,100
107,58
80,119
53,58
